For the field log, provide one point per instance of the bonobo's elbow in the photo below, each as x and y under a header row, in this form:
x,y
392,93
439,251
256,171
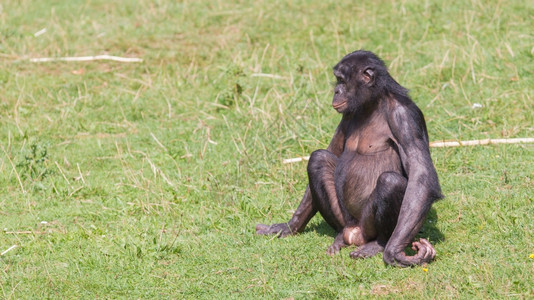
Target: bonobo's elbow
x,y
436,194
430,181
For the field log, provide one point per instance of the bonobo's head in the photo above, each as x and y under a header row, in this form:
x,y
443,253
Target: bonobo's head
x,y
361,78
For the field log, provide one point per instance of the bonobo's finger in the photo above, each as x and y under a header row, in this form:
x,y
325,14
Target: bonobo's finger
x,y
416,246
422,250
431,250
333,250
427,249
427,255
424,241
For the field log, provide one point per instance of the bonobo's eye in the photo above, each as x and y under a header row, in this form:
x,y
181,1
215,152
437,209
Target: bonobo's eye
x,y
340,80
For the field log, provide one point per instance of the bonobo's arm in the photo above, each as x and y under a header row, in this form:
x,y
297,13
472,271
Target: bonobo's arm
x,y
408,127
306,209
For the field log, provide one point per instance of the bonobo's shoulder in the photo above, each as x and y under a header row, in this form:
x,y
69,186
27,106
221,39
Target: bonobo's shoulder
x,y
405,119
402,108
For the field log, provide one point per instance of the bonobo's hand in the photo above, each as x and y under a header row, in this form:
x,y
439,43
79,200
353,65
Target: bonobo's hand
x,y
281,229
425,254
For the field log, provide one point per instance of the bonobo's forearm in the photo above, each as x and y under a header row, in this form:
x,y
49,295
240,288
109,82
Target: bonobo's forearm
x,y
415,207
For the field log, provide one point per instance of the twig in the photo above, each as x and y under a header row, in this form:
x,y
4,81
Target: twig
x,y
87,58
158,142
61,171
273,76
38,33
8,249
80,172
155,169
295,159
480,142
15,170
439,144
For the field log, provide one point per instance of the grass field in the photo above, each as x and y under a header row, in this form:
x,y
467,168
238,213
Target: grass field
x,y
145,180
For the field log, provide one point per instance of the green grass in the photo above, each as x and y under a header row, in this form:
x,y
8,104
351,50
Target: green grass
x,y
146,180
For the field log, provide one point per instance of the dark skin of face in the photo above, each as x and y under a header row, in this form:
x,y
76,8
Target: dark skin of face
x,y
375,183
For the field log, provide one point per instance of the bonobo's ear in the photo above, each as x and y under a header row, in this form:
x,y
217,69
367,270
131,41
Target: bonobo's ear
x,y
369,76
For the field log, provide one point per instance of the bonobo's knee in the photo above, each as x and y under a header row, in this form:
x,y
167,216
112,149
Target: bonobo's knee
x,y
391,182
318,160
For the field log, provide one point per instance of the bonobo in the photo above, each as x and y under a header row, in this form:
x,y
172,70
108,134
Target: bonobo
x,y
375,182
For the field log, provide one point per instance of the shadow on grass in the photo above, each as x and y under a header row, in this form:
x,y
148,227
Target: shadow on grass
x,y
429,230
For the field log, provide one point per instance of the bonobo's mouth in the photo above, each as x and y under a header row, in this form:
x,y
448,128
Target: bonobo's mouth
x,y
339,105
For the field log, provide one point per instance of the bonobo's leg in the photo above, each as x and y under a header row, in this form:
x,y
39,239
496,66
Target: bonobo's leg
x,y
379,217
320,196
321,169
300,218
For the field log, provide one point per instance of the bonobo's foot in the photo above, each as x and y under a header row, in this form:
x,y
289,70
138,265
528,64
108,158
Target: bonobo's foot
x,y
425,253
281,229
367,250
336,245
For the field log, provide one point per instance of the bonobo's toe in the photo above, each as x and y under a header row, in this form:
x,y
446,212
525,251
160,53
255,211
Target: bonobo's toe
x,y
335,248
367,250
261,228
281,229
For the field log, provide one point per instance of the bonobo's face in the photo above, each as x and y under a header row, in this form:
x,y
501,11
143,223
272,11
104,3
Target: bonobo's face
x,y
355,78
341,99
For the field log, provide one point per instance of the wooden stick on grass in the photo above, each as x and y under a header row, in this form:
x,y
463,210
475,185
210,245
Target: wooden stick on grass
x,y
9,249
480,142
87,58
439,144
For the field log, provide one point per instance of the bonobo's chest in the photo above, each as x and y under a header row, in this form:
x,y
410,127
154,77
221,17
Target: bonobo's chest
x,y
372,139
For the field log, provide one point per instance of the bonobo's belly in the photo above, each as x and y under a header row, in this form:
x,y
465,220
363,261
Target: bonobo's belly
x,y
356,176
